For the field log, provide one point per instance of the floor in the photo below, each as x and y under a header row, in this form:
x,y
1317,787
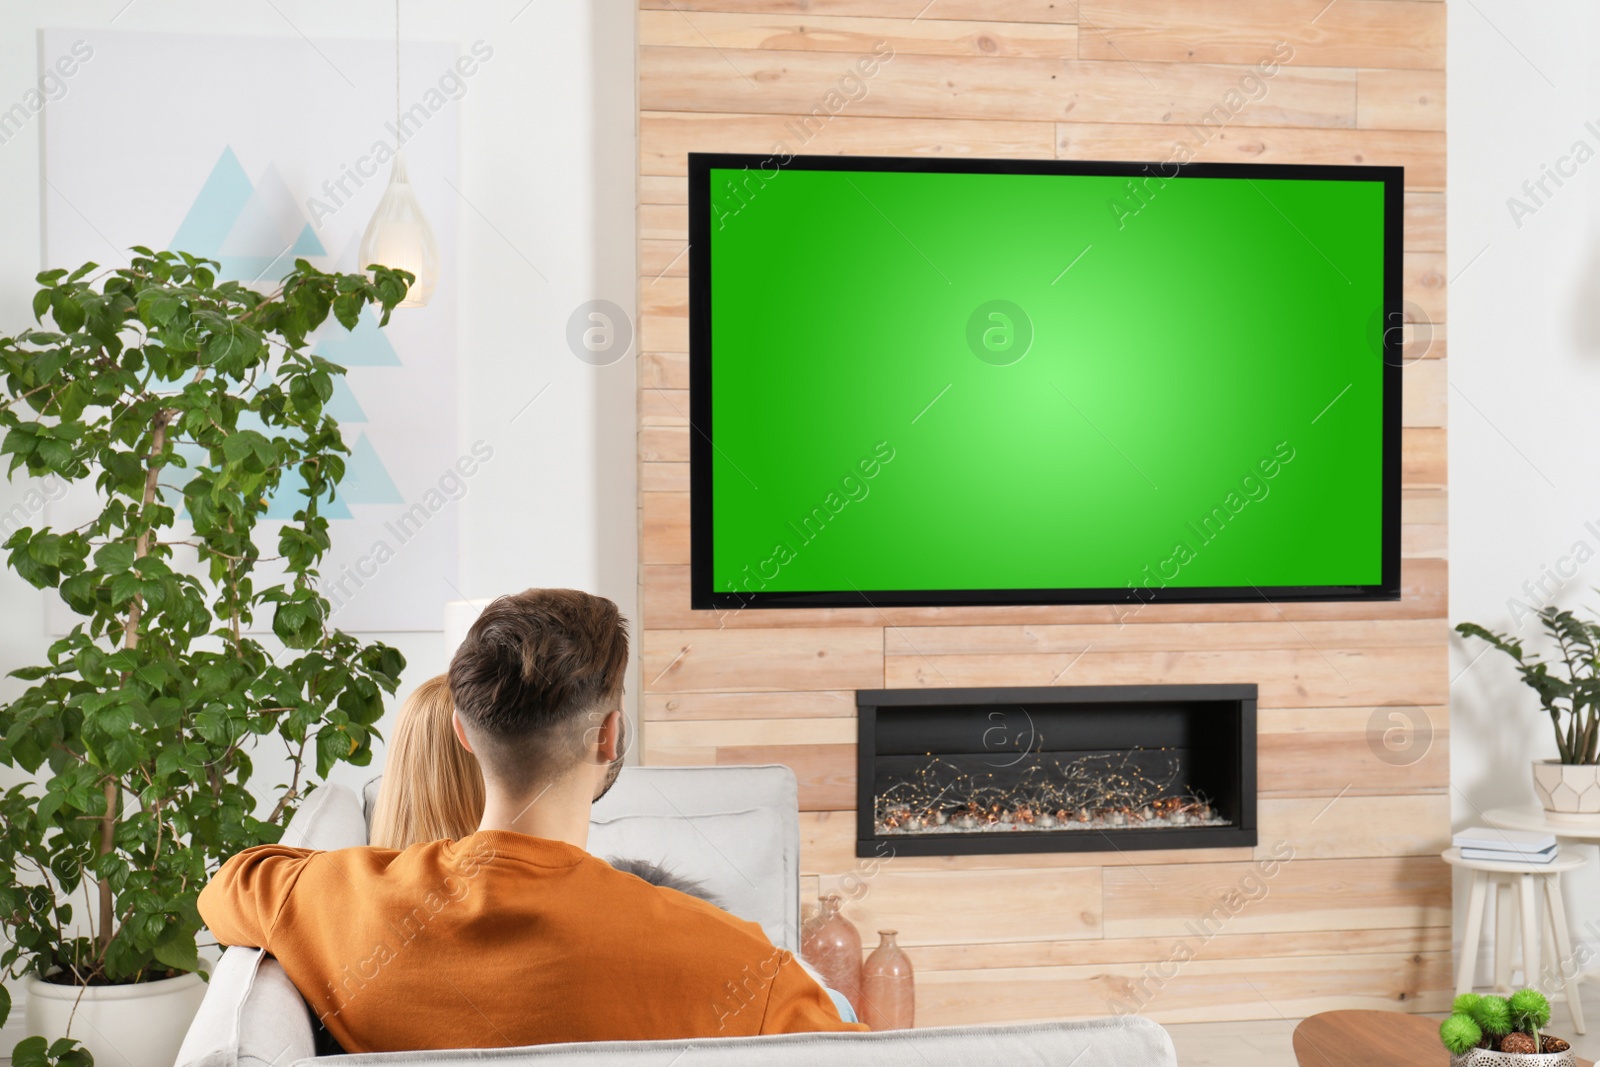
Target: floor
x,y
1270,1043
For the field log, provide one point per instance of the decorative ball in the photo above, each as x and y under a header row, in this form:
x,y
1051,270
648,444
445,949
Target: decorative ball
x,y
1493,1015
1459,1033
1518,1044
1529,1009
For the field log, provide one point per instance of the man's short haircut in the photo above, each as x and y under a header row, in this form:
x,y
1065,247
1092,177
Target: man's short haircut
x,y
537,670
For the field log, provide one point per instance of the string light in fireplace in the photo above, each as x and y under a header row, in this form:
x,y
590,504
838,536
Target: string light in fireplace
x,y
1091,792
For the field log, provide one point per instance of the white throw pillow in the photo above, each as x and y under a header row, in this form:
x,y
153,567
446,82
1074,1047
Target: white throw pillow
x,y
736,855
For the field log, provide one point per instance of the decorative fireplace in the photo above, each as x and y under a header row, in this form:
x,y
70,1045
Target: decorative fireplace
x,y
1058,769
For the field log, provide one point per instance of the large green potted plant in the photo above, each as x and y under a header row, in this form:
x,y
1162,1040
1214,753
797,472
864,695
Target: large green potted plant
x,y
183,407
1568,689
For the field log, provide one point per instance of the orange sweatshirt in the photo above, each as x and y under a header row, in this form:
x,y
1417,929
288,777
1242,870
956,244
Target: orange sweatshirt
x,y
501,939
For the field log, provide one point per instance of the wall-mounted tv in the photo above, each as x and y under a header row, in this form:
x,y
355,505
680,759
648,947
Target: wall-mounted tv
x,y
960,382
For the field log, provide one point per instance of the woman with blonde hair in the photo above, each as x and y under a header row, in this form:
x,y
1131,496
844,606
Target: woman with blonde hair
x,y
432,789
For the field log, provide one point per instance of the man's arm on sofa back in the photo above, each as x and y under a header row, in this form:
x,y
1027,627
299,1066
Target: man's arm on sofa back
x,y
241,904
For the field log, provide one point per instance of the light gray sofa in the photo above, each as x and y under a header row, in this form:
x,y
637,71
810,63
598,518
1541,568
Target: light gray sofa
x,y
736,830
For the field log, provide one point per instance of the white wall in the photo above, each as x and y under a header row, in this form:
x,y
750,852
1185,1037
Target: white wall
x,y
548,153
1524,337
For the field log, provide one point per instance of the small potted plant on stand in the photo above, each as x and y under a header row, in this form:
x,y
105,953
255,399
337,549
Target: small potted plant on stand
x,y
1489,1030
183,407
1569,787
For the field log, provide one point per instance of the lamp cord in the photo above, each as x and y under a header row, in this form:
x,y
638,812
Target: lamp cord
x,y
397,64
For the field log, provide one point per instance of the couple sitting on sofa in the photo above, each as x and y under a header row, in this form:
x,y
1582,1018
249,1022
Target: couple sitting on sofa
x,y
478,919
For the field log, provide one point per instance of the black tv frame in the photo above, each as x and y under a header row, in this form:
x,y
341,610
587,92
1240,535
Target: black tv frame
x,y
702,449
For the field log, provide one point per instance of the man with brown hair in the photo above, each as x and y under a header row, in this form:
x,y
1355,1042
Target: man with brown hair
x,y
515,935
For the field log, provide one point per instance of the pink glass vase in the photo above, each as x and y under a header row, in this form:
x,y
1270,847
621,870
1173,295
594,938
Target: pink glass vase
x,y
888,990
831,944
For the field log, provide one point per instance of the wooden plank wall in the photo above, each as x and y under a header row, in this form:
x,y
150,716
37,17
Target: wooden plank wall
x,y
1359,917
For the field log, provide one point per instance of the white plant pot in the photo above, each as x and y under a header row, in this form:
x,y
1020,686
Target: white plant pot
x,y
1570,792
139,1025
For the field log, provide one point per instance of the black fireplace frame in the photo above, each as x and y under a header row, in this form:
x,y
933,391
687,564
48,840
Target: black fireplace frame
x,y
1235,702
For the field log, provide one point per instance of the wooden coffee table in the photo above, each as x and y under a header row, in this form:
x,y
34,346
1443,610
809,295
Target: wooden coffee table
x,y
1372,1039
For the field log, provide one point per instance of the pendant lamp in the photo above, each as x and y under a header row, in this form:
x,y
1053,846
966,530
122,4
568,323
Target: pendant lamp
x,y
399,235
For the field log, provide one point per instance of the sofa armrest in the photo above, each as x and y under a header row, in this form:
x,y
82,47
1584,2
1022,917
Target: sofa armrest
x,y
252,1016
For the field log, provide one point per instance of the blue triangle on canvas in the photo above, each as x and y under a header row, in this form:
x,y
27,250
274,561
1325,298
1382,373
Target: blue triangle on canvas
x,y
215,210
284,501
342,405
307,243
288,499
365,346
365,479
169,490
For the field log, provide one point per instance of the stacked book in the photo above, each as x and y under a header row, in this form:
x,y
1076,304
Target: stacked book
x,y
1524,847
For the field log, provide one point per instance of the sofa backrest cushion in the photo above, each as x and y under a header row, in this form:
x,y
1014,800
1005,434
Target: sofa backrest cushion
x,y
330,818
735,829
725,851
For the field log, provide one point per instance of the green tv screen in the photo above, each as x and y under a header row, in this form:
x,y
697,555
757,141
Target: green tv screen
x,y
922,382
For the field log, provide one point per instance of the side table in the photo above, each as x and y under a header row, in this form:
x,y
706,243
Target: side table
x,y
1533,818
1535,887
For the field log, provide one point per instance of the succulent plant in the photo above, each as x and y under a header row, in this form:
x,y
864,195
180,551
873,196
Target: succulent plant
x,y
1459,1033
